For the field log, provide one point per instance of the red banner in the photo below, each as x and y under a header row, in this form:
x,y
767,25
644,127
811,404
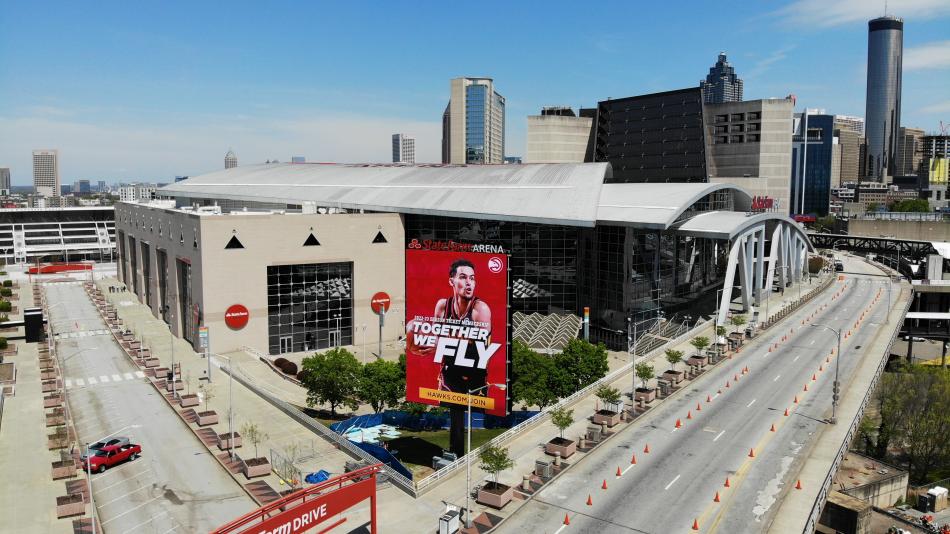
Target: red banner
x,y
457,328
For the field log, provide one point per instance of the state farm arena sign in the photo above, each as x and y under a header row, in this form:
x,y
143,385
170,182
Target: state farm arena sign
x,y
310,507
236,317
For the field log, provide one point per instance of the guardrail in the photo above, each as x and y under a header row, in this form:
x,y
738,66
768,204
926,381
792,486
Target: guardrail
x,y
318,428
822,497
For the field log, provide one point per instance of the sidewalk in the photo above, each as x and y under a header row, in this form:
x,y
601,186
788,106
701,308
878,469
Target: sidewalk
x,y
29,493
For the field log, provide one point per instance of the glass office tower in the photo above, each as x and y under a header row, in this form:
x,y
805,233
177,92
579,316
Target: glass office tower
x,y
883,101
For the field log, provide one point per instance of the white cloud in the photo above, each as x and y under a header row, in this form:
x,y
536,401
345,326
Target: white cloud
x,y
763,64
935,55
158,153
939,107
823,13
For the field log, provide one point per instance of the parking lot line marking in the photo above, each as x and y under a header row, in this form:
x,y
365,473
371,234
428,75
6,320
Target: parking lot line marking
x,y
750,404
672,482
176,527
140,374
719,435
92,380
119,498
153,518
776,378
103,378
123,481
128,376
129,511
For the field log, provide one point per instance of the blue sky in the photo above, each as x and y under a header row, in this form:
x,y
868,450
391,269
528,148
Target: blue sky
x,y
145,91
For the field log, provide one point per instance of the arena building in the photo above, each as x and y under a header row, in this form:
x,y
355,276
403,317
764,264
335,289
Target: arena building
x,y
287,257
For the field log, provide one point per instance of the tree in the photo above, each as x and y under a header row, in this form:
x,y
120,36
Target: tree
x,y
533,377
583,363
645,373
413,408
382,384
332,378
917,205
737,321
607,394
699,343
254,434
562,418
207,391
721,330
495,460
674,357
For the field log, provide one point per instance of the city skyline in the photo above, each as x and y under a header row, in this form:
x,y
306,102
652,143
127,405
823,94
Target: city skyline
x,y
114,120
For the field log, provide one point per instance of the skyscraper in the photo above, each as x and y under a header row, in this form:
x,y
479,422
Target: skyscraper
x,y
721,84
46,173
404,148
557,135
473,125
4,180
230,160
909,151
812,150
883,101
850,142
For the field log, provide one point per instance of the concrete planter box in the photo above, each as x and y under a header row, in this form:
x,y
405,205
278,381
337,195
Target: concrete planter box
x,y
151,363
53,419
564,446
46,365
50,385
606,417
674,377
178,384
646,394
64,469
187,401
497,497
697,361
70,505
52,401
207,418
57,442
224,443
48,375
255,467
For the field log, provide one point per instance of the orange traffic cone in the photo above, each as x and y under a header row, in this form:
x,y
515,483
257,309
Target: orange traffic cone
x,y
567,519
633,459
604,485
695,524
699,407
751,453
618,471
716,498
796,399
786,412
798,485
646,449
814,377
727,384
821,368
735,378
689,415
727,483
590,502
708,398
678,424
773,428
806,386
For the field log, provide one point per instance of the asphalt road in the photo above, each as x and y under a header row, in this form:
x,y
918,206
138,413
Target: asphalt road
x,y
677,481
175,486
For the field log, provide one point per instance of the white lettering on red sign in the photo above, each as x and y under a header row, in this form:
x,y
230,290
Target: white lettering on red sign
x,y
299,523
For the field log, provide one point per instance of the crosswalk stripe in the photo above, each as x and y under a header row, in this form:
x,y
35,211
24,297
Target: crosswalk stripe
x,y
128,376
116,378
92,380
80,382
140,374
69,383
104,378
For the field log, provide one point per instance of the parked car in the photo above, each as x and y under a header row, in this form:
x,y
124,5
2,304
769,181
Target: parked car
x,y
914,338
113,455
95,447
839,266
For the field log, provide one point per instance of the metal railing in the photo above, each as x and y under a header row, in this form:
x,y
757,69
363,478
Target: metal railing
x,y
822,496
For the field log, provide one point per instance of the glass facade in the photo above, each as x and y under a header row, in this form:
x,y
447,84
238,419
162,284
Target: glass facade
x,y
476,104
883,102
309,306
161,258
817,164
185,306
146,274
134,275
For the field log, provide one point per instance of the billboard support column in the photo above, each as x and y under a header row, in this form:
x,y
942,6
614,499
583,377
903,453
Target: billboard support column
x,y
457,430
382,322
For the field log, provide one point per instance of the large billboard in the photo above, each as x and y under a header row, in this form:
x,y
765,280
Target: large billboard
x,y
457,326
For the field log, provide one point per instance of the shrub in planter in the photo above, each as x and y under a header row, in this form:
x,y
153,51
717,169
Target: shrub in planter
x,y
561,418
3,343
6,292
289,368
5,306
302,375
494,460
7,283
279,362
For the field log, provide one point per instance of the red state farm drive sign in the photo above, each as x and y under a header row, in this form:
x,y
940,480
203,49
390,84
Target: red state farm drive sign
x,y
236,317
311,513
380,303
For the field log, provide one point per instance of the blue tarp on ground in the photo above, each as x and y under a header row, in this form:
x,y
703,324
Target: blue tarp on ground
x,y
385,457
315,478
428,421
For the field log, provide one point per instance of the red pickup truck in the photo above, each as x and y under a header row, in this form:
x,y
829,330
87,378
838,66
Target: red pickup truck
x,y
107,457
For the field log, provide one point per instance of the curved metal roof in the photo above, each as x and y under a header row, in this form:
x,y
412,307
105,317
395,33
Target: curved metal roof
x,y
565,193
731,224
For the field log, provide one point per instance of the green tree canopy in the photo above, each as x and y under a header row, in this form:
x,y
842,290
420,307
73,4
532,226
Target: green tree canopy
x,y
333,378
645,373
737,320
535,378
562,418
674,357
382,384
607,394
699,343
918,205
495,460
583,363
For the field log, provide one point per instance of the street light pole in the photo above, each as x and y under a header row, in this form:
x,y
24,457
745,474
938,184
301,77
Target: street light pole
x,y
230,402
92,499
468,452
836,385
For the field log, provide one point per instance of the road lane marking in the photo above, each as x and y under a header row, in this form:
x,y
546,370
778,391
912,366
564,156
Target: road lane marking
x,y
812,342
796,358
128,376
750,404
69,383
140,374
92,380
116,378
103,378
672,482
629,467
776,378
80,382
719,435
